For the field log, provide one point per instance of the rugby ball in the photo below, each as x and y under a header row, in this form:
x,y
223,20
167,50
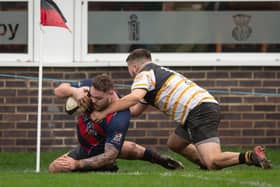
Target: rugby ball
x,y
71,106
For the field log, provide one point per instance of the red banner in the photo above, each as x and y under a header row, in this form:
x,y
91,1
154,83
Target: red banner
x,y
51,15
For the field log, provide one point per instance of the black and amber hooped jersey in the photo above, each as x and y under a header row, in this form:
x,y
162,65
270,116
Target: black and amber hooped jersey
x,y
170,92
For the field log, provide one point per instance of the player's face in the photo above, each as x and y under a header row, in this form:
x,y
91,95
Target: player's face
x,y
100,100
132,69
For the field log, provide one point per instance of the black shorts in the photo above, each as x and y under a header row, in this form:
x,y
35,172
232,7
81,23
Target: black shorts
x,y
201,124
79,153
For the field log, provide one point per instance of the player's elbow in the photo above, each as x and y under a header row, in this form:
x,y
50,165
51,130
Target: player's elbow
x,y
58,91
134,112
110,162
62,90
137,110
110,158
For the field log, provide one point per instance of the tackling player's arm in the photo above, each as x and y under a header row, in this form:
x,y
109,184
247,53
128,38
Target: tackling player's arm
x,y
137,109
125,102
95,162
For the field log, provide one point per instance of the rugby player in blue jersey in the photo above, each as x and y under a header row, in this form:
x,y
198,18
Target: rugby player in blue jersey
x,y
101,144
195,110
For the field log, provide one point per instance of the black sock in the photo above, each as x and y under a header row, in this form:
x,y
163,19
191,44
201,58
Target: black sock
x,y
242,158
154,157
151,156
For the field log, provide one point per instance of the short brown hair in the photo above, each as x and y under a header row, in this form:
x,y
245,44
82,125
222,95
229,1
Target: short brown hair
x,y
102,83
139,54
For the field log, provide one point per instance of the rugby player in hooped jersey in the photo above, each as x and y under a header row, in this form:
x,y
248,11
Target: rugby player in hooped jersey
x,y
195,110
101,144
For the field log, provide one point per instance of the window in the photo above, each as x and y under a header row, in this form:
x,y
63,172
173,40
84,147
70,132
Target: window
x,y
178,33
183,27
13,27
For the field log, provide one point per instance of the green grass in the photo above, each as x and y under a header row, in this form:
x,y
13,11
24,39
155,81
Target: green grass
x,y
18,169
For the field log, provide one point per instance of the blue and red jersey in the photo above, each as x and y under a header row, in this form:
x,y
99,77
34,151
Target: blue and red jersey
x,y
93,137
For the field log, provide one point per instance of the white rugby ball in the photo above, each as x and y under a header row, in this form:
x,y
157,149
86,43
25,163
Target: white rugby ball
x,y
71,106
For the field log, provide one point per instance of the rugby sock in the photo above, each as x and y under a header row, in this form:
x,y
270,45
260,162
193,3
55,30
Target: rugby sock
x,y
245,157
241,158
151,156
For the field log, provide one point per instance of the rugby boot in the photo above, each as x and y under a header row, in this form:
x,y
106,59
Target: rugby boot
x,y
170,163
165,161
258,158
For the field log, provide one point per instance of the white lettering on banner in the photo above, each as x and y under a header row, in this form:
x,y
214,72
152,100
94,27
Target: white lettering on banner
x,y
183,27
13,27
8,30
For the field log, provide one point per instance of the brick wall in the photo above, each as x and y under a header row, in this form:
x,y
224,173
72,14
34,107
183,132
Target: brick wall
x,y
246,119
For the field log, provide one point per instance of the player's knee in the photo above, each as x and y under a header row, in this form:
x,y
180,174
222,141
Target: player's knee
x,y
174,147
212,164
176,144
135,150
131,145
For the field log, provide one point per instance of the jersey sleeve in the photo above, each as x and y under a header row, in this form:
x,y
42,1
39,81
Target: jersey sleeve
x,y
85,82
117,128
144,80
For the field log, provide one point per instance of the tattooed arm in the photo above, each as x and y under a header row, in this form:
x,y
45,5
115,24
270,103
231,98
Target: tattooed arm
x,y
66,163
95,162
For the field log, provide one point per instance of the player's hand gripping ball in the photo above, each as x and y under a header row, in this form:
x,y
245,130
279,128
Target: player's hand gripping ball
x,y
72,106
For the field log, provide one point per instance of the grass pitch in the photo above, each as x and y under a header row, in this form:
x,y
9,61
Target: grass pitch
x,y
18,170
